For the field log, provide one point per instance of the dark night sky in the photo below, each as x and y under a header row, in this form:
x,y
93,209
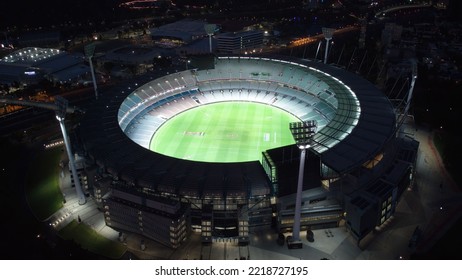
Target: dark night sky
x,y
47,12
35,13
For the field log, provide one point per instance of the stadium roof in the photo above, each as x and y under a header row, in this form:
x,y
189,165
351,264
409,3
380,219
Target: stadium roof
x,y
111,149
30,56
71,72
358,121
52,62
375,126
354,118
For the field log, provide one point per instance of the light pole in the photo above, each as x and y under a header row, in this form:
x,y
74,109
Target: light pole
x,y
328,33
317,50
61,104
210,30
303,133
89,51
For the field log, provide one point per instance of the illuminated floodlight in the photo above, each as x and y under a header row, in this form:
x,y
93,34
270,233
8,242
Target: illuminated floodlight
x,y
62,104
328,32
303,133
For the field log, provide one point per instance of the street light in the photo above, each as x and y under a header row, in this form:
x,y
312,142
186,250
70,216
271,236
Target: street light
x,y
303,133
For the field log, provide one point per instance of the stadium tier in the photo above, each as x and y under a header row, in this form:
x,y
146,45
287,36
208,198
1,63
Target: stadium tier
x,y
355,143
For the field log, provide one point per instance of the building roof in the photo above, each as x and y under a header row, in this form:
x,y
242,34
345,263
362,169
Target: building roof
x,y
10,72
183,29
30,56
53,62
71,73
238,34
133,54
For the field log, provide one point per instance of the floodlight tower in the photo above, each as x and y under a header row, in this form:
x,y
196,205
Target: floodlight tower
x,y
210,29
411,89
317,50
89,51
61,110
328,33
303,133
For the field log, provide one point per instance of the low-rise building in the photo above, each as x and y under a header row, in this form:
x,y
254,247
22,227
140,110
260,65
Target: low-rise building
x,y
30,65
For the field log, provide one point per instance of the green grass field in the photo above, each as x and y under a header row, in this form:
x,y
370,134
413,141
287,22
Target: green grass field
x,y
90,240
42,184
224,132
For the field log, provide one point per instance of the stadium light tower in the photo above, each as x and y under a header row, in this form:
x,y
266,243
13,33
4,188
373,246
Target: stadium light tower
x,y
89,51
61,110
303,133
317,50
328,33
210,29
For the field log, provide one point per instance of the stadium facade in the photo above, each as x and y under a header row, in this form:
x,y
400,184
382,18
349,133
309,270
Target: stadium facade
x,y
357,169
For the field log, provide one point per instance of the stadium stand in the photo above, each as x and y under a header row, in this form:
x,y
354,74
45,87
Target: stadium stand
x,y
356,124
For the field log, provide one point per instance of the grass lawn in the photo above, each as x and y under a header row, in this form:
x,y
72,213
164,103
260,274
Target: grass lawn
x,y
90,240
42,183
224,132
